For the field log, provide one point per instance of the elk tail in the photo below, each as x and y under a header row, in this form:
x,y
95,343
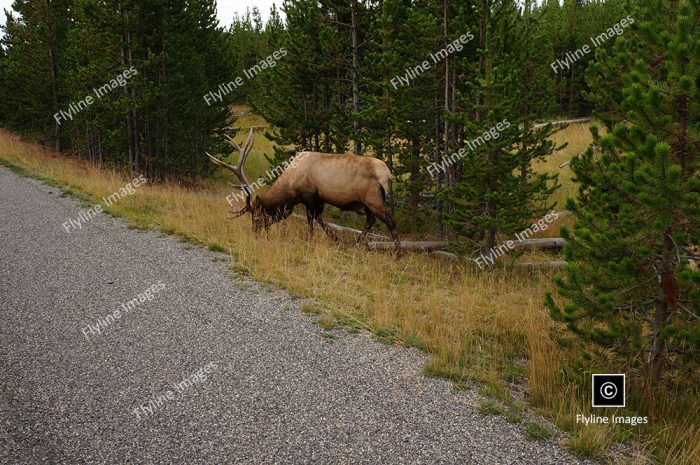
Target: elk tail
x,y
385,186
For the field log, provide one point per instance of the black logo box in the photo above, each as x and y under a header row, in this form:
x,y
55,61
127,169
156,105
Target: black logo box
x,y
608,390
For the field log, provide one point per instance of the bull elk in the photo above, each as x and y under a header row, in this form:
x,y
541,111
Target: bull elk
x,y
349,182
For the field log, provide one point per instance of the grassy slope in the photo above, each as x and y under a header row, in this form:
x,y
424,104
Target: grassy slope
x,y
486,327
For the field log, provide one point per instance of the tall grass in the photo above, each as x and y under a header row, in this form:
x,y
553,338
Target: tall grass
x,y
577,138
487,327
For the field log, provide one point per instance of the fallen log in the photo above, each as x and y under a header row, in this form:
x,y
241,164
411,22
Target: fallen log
x,y
566,121
539,244
534,265
380,242
564,213
426,246
443,254
254,127
356,232
346,230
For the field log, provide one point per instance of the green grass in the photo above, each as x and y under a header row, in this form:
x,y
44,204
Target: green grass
x,y
327,322
490,407
385,336
514,373
312,309
514,413
217,248
536,431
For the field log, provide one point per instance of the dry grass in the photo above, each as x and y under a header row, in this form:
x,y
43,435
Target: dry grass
x,y
578,138
474,325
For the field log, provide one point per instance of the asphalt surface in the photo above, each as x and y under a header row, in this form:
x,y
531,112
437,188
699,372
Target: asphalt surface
x,y
206,368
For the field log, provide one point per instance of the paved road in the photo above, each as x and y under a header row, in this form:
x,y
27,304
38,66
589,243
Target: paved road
x,y
200,368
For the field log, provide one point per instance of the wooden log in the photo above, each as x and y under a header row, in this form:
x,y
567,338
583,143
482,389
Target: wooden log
x,y
566,121
564,213
356,232
426,246
443,254
534,265
254,127
539,244
346,230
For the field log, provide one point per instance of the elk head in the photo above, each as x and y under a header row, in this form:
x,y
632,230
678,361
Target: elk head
x,y
260,217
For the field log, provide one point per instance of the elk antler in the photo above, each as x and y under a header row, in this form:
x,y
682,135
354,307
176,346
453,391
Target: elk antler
x,y
238,170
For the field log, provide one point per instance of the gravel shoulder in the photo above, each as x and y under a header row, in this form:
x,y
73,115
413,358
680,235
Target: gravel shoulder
x,y
276,390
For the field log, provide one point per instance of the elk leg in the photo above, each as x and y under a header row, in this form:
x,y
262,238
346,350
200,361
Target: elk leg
x,y
318,215
371,219
387,219
391,224
310,219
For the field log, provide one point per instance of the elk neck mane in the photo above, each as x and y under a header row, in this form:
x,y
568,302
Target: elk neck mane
x,y
279,196
275,199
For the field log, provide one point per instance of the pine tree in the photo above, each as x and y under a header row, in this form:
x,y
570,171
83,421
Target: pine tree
x,y
187,61
92,50
35,40
631,283
3,83
156,122
490,199
294,109
533,93
400,120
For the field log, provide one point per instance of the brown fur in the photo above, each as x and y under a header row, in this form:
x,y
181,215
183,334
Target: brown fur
x,y
314,179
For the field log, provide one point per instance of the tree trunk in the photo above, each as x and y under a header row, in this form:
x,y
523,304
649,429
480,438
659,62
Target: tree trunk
x,y
490,239
54,92
527,83
667,298
438,184
658,352
355,88
446,128
526,127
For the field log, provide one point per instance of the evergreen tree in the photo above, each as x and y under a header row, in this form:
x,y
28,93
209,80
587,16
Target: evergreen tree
x,y
247,47
569,25
156,121
631,283
533,92
34,66
490,198
400,120
3,84
294,108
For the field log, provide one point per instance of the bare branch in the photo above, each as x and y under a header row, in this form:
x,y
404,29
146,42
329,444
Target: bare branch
x,y
690,313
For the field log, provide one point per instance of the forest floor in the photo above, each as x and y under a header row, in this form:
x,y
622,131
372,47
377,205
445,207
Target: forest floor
x,y
485,329
210,369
